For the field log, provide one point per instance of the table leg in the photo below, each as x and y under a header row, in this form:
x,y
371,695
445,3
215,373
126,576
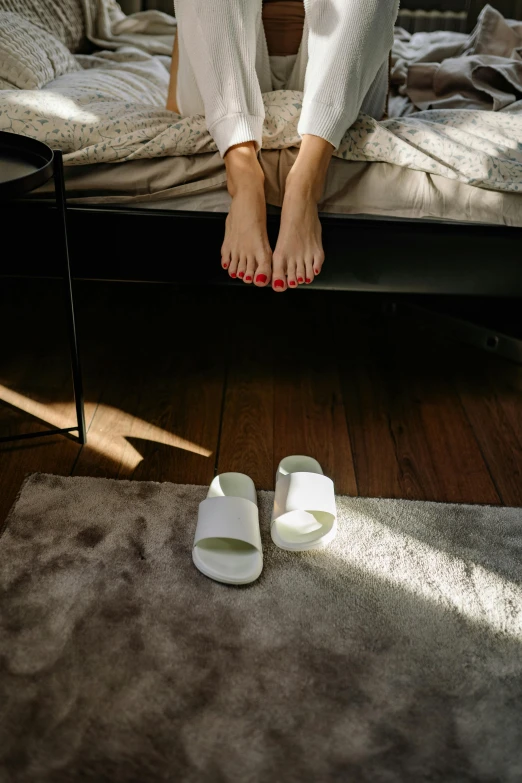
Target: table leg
x,y
59,182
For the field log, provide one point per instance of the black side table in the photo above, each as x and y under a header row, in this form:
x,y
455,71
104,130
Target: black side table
x,y
25,164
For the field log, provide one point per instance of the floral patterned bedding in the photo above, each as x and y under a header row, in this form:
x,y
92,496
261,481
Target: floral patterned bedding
x,y
113,110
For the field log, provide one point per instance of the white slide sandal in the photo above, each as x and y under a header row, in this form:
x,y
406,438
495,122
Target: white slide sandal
x,y
227,542
304,514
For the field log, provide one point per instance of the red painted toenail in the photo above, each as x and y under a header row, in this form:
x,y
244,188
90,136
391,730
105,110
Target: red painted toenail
x,y
241,275
261,279
233,274
225,266
291,283
300,280
317,271
308,280
279,284
248,278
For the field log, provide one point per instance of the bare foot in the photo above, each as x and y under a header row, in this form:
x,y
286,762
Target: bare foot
x,y
246,252
299,255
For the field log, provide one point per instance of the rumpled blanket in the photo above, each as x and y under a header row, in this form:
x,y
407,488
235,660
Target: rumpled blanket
x,y
109,28
113,110
447,70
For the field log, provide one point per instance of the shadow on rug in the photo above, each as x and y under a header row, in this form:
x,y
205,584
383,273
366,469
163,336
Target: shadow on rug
x,y
395,655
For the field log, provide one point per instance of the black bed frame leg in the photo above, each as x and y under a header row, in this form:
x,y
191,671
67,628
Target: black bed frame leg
x,y
504,345
59,183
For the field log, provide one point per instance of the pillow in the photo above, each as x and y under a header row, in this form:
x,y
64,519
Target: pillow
x,y
29,56
64,19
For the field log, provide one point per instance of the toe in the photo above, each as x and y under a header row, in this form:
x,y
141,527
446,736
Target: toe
x,y
241,267
262,278
225,257
250,269
290,274
263,271
234,262
300,271
318,262
309,270
279,274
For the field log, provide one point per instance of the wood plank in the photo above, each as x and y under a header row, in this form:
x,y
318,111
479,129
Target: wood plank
x,y
490,390
247,428
283,392
158,415
457,460
309,408
308,372
410,434
380,436
310,419
35,384
390,452
158,421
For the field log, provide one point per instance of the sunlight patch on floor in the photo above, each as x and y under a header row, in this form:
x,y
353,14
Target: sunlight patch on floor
x,y
109,437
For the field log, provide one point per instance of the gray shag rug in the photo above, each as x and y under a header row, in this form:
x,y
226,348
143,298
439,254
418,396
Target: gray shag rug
x,y
393,656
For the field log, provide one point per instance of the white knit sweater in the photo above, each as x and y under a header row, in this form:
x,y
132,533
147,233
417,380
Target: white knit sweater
x,y
342,65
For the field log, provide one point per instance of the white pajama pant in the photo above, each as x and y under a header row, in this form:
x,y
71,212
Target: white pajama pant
x,y
341,66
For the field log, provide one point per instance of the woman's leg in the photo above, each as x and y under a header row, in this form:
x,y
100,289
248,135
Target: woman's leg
x,y
299,255
218,41
172,97
347,43
222,72
246,251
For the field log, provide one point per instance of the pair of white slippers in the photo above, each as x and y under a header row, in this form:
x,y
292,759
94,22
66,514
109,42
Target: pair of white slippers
x,y
227,544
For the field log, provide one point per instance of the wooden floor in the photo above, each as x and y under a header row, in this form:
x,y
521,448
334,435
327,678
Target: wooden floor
x,y
181,383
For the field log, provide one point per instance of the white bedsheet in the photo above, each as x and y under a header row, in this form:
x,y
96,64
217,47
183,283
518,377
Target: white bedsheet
x,y
113,110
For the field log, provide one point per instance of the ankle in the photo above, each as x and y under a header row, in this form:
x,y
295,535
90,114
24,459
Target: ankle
x,y
308,174
243,168
252,182
305,183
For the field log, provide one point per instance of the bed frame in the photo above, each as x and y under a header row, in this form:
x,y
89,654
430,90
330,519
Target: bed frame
x,y
393,256
364,253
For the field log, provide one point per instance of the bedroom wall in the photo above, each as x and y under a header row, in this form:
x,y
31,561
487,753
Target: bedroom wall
x,y
510,8
131,6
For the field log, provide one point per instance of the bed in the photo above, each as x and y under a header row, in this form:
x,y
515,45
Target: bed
x,y
429,201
